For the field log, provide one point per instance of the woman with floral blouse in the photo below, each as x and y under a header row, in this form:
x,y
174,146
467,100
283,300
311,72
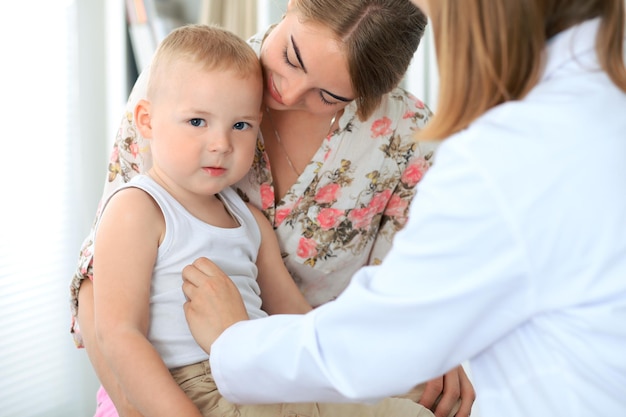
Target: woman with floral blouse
x,y
336,164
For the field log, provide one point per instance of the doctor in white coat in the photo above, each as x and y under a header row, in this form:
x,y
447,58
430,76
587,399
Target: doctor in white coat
x,y
514,256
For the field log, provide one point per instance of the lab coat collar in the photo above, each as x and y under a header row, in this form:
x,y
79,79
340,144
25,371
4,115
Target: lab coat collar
x,y
573,43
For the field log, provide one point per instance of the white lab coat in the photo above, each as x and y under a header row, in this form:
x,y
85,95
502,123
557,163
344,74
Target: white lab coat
x,y
514,257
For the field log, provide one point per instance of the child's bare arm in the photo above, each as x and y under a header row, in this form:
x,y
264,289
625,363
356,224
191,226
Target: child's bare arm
x,y
126,246
279,292
105,375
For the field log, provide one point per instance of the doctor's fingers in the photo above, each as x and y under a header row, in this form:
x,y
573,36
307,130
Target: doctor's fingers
x,y
205,280
201,270
196,282
204,273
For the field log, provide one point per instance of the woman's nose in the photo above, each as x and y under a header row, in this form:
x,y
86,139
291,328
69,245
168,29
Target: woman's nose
x,y
294,92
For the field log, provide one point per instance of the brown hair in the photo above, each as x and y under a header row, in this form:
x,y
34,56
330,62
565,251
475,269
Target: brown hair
x,y
489,51
380,37
210,46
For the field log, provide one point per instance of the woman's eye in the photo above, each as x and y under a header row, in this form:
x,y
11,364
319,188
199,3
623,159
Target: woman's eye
x,y
197,122
326,102
286,58
241,126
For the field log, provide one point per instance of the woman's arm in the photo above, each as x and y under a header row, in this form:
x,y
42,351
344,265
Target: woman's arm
x,y
451,394
127,241
279,292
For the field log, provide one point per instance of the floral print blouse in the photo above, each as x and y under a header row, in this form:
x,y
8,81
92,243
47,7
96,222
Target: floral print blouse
x,y
343,210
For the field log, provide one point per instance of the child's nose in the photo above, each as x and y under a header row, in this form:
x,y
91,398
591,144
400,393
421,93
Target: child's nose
x,y
219,142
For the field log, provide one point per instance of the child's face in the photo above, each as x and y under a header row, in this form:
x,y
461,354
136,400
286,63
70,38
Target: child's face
x,y
203,127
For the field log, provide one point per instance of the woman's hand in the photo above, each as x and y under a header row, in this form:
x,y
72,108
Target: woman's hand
x,y
450,395
213,302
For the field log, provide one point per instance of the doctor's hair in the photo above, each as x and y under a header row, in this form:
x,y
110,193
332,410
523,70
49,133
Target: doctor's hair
x,y
380,38
209,46
491,51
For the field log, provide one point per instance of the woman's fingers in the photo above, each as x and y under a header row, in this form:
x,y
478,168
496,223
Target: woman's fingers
x,y
213,301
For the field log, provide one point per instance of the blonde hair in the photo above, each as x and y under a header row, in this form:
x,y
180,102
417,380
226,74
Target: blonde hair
x,y
380,38
211,47
489,51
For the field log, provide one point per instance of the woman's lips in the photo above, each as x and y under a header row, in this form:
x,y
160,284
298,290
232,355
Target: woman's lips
x,y
271,88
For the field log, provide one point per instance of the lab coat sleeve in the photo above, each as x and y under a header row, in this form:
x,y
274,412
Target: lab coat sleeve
x,y
453,282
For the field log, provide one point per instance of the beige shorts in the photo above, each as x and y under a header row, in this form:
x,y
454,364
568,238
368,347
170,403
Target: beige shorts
x,y
197,382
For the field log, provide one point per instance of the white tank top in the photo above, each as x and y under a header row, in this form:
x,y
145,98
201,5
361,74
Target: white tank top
x,y
186,239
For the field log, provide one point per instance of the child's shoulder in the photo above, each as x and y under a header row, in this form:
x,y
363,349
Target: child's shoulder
x,y
262,221
136,191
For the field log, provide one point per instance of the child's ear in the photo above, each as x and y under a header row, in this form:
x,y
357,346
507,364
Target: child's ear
x,y
143,119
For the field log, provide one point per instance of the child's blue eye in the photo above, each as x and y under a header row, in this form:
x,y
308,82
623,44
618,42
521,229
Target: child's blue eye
x,y
241,126
197,122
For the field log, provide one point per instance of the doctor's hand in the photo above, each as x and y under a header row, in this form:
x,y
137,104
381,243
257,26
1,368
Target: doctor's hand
x,y
213,301
450,395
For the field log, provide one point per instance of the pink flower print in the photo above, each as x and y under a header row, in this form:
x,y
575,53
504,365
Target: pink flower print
x,y
133,148
327,194
361,217
414,172
381,127
115,155
86,252
281,214
329,218
379,201
418,103
396,207
267,196
408,114
306,248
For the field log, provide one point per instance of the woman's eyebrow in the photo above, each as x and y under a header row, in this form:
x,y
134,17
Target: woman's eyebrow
x,y
299,58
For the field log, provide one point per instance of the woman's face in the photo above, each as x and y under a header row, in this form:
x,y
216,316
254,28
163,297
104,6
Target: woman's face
x,y
305,68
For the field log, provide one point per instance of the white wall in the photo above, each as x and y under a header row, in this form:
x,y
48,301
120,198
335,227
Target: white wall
x,y
270,11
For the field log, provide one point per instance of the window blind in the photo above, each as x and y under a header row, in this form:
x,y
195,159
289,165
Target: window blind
x,y
41,373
